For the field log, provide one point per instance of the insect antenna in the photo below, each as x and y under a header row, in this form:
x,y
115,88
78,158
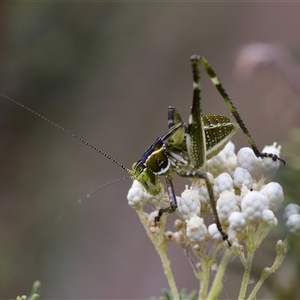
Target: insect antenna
x,y
68,132
89,195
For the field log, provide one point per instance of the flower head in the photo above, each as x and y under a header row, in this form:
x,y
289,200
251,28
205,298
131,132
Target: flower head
x,y
292,218
243,192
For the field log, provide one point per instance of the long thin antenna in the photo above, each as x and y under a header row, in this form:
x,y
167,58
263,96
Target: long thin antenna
x,y
68,132
89,195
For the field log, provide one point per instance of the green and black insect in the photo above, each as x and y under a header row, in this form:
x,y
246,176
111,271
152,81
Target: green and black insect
x,y
185,147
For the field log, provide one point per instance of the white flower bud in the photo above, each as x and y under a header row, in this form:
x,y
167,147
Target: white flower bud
x,y
246,159
136,195
222,183
273,191
237,221
291,209
203,195
229,150
214,233
226,205
196,230
188,205
216,164
269,218
293,224
252,206
268,167
242,177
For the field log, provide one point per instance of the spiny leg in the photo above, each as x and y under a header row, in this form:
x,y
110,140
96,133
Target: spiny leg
x,y
195,138
215,80
196,146
196,142
173,201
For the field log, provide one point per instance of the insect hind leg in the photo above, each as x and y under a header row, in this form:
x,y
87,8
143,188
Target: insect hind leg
x,y
215,80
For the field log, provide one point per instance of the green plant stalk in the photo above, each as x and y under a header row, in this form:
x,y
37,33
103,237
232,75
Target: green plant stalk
x,y
246,276
241,255
204,281
204,276
161,248
217,285
260,234
282,250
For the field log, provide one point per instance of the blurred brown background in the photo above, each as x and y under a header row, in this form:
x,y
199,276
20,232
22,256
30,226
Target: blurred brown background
x,y
108,72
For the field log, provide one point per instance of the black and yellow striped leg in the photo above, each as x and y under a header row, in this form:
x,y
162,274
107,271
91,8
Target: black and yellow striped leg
x,y
215,80
195,139
196,143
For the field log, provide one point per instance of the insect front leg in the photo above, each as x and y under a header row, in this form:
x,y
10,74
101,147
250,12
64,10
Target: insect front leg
x,y
173,201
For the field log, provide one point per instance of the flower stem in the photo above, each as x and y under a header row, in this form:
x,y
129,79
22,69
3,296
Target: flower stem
x,y
160,245
282,249
246,276
217,285
204,281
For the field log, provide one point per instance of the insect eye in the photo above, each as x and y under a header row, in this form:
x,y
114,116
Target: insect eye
x,y
143,177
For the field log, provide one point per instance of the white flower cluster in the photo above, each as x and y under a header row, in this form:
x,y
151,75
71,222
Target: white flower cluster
x,y
244,195
292,218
